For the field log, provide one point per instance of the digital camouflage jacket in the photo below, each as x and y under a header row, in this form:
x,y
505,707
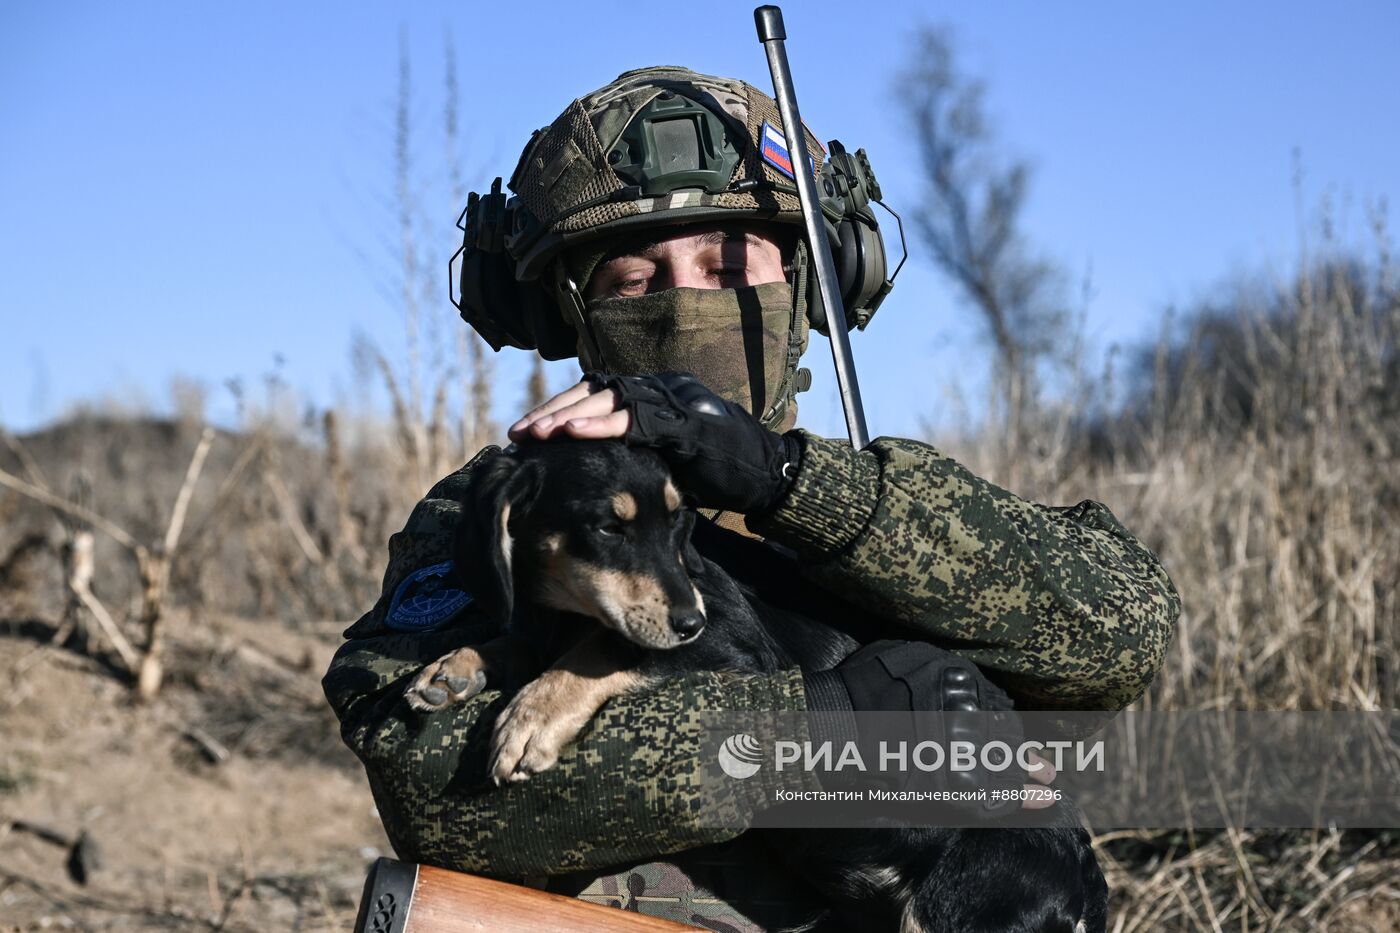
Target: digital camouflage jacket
x,y
1062,606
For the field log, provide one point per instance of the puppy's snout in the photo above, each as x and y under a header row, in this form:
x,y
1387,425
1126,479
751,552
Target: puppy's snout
x,y
687,623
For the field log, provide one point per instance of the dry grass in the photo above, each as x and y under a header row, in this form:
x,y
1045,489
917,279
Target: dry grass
x,y
1259,461
1258,458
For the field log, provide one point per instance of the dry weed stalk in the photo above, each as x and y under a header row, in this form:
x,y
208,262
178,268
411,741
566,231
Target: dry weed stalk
x,y
155,573
349,537
153,565
78,564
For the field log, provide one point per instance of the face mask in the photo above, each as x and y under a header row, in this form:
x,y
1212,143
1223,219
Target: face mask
x,y
734,340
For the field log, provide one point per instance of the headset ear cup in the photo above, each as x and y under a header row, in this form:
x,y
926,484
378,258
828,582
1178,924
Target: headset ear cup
x,y
487,283
850,260
872,268
860,263
847,258
844,260
509,313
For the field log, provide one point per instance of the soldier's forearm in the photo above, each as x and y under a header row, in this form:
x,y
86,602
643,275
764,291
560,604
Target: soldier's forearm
x,y
625,791
1065,605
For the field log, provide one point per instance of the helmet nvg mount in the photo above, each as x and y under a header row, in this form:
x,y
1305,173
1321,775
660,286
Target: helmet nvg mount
x,y
657,147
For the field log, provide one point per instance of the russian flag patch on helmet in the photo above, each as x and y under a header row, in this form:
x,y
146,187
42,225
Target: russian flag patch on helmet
x,y
774,149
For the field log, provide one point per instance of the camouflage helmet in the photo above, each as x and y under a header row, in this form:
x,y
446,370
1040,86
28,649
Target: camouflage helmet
x,y
656,147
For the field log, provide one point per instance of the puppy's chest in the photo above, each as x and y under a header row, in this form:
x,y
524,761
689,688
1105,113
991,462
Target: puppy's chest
x,y
548,634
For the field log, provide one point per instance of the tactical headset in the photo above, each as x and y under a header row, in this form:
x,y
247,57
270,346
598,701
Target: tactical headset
x,y
512,289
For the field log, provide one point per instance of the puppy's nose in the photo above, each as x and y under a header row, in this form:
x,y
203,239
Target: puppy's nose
x,y
687,623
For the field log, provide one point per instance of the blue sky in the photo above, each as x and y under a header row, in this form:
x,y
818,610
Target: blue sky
x,y
202,189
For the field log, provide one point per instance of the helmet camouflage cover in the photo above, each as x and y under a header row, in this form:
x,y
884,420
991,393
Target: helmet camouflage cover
x,y
657,146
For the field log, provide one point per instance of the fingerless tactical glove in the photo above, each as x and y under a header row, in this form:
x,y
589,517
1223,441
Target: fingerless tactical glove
x,y
716,450
911,677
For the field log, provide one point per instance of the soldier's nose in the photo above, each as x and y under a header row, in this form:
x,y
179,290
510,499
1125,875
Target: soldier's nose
x,y
687,623
685,275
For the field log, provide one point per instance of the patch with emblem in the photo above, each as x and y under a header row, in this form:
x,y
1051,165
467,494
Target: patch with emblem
x,y
424,600
774,149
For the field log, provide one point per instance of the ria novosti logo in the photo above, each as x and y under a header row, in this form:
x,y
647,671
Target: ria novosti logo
x,y
740,756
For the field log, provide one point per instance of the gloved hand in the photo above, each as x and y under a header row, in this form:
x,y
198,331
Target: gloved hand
x,y
915,677
716,450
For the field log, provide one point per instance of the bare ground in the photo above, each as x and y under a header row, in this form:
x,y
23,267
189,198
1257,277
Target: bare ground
x,y
276,835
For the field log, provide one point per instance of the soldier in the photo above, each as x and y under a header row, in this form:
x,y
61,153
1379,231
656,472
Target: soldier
x,y
654,229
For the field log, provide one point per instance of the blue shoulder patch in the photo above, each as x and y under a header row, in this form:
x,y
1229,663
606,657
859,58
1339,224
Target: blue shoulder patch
x,y
423,601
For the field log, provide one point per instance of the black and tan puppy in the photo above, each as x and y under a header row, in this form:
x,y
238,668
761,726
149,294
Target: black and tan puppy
x,y
585,533
583,550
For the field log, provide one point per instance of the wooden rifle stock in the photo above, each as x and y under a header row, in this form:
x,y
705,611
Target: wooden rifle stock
x,y
401,897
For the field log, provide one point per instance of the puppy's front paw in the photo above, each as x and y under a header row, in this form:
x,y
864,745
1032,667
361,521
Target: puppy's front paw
x,y
531,732
452,678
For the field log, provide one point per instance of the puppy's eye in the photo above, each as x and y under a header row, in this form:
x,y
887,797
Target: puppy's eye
x,y
609,530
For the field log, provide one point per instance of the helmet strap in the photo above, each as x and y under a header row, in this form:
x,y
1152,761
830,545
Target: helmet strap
x,y
576,312
793,379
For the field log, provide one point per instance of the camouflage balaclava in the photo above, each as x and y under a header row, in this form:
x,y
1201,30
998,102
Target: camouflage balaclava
x,y
735,340
660,147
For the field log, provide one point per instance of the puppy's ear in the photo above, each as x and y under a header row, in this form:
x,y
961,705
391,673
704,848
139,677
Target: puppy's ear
x,y
482,543
694,565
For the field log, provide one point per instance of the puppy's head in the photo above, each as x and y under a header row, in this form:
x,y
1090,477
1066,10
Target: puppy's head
x,y
590,527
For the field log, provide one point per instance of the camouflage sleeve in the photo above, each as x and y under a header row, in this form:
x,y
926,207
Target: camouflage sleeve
x,y
1068,608
629,789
